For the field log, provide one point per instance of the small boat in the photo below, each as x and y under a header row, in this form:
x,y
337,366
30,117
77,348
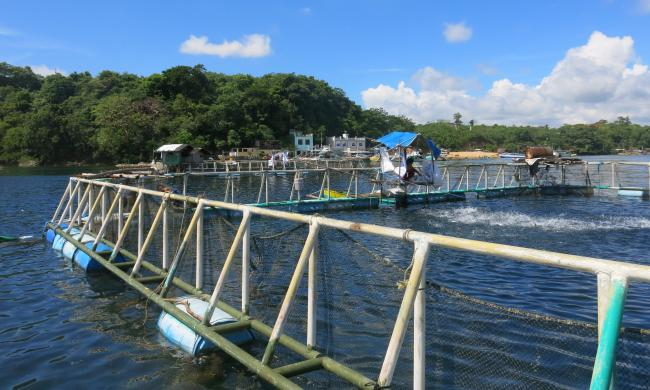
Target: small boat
x,y
512,156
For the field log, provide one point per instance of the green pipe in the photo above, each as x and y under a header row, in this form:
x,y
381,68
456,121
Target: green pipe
x,y
299,368
221,342
601,376
288,342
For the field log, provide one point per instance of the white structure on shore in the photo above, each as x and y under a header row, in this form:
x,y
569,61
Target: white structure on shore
x,y
346,143
303,142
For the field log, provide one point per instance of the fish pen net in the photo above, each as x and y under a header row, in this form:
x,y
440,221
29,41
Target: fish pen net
x,y
471,340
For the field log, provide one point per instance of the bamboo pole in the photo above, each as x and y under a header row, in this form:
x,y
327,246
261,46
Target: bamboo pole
x,y
181,249
91,201
125,229
80,207
291,292
150,234
106,221
311,296
420,255
68,206
245,265
104,204
419,335
93,209
243,227
120,213
165,240
140,225
198,282
78,219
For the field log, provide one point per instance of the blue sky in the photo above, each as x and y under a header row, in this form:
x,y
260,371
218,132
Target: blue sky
x,y
354,45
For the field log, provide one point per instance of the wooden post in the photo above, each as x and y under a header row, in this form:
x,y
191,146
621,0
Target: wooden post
x,y
78,211
91,213
63,197
104,204
91,201
140,225
291,292
120,211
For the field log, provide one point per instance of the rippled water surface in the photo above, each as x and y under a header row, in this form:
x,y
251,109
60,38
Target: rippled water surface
x,y
60,328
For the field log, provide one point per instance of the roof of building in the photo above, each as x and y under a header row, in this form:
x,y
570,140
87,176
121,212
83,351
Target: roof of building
x,y
172,148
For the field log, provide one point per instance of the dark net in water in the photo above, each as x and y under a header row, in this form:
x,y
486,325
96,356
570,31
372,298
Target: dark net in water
x,y
471,342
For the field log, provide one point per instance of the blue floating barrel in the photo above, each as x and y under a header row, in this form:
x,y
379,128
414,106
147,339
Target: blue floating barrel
x,y
91,265
639,193
50,234
189,341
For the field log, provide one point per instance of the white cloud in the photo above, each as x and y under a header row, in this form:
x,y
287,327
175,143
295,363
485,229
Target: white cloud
x,y
254,45
457,32
45,70
599,80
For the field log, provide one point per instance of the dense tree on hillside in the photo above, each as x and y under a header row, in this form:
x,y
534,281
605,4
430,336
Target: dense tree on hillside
x,y
121,117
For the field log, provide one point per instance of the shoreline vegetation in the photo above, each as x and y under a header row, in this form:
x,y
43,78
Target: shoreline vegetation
x,y
121,117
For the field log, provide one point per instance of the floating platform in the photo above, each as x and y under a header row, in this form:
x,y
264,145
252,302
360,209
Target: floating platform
x,y
70,250
188,340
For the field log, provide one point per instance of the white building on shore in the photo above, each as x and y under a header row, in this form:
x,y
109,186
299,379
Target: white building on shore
x,y
346,143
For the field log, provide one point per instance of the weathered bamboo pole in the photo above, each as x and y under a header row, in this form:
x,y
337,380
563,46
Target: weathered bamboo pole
x,y
120,213
245,265
150,235
106,221
125,229
420,255
291,292
419,335
93,209
68,206
243,227
91,201
311,296
140,225
181,249
79,210
198,277
165,240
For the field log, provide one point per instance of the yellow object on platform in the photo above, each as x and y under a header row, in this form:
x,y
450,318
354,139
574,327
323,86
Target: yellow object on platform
x,y
333,194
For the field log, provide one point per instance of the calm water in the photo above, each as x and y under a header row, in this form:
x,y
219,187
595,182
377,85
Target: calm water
x,y
60,328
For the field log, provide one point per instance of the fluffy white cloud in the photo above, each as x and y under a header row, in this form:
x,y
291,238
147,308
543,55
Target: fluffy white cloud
x,y
45,70
599,80
254,45
457,32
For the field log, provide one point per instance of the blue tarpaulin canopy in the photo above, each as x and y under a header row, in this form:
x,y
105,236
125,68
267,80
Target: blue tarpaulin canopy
x,y
398,138
405,139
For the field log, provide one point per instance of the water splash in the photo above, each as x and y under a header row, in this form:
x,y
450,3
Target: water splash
x,y
560,222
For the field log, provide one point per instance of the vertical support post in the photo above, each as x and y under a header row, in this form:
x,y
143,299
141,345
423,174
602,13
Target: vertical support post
x,y
122,234
106,221
605,362
419,335
80,207
266,183
165,240
104,205
214,298
181,250
311,296
91,213
91,201
245,265
120,211
147,241
198,283
291,292
140,225
613,175
420,255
